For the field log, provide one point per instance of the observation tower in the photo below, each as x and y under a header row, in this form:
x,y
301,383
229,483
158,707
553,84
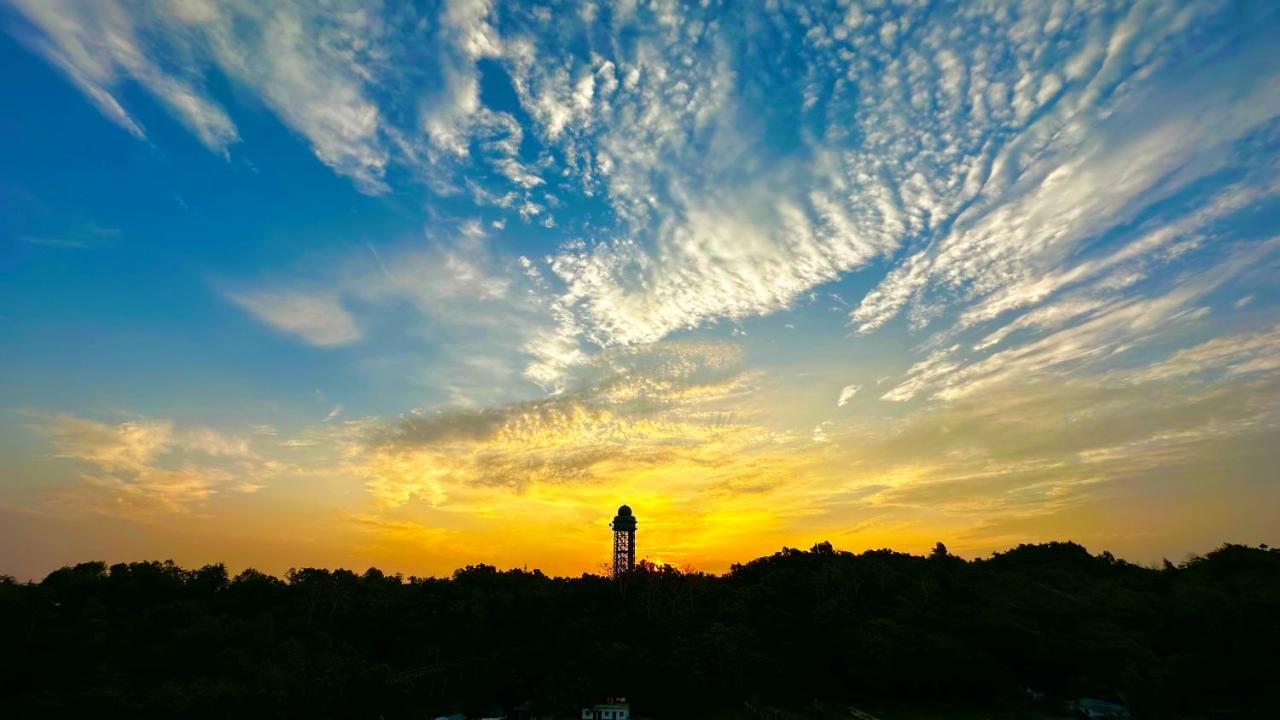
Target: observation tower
x,y
624,542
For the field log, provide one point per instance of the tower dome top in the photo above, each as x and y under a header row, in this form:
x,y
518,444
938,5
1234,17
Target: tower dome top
x,y
624,521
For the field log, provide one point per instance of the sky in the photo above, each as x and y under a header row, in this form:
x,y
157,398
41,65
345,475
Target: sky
x,y
423,285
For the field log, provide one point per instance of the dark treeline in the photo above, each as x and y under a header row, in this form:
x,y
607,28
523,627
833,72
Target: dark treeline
x,y
155,640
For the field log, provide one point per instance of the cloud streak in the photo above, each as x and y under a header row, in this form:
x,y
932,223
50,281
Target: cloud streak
x,y
146,469
629,411
317,318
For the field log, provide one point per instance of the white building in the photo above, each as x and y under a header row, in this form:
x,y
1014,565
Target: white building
x,y
611,709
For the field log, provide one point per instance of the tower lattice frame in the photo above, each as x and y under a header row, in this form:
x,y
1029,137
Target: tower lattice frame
x,y
624,542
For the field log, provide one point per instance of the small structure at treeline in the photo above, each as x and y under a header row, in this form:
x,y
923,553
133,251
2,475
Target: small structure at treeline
x,y
615,708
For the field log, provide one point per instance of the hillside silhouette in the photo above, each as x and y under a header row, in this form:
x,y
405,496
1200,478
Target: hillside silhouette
x,y
798,629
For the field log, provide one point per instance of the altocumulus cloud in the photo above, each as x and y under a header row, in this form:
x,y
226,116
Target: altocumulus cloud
x,y
980,150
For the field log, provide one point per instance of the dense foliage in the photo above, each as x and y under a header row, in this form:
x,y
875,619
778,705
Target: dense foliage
x,y
155,640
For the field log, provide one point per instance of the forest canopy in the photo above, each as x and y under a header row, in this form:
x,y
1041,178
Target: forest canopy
x,y
799,627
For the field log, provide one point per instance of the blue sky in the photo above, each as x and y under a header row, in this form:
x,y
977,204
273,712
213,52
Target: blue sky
x,y
405,278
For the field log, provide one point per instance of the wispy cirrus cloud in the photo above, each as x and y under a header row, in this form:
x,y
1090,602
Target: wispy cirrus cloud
x,y
1083,456
311,68
1234,355
98,45
1078,333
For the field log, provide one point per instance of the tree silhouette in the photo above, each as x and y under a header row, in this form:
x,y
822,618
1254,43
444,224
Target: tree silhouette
x,y
788,634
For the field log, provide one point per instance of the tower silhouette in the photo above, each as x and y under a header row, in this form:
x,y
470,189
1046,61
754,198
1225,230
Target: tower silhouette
x,y
624,541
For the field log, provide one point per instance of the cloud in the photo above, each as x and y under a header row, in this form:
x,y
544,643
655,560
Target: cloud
x,y
670,429
1098,334
211,442
1047,447
997,157
311,67
714,262
627,410
318,319
129,445
1239,354
846,394
464,36
486,314
449,280
96,44
147,494
682,435
145,469
705,232
994,257
987,157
